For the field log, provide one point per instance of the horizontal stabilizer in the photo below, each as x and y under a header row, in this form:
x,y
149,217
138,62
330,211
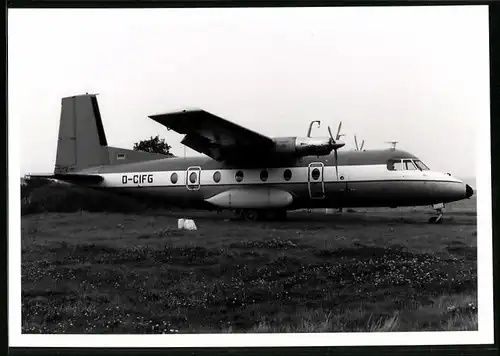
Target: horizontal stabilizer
x,y
71,178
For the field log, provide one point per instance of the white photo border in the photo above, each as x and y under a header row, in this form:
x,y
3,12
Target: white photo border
x,y
484,335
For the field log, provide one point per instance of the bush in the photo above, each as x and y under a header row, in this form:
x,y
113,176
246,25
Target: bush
x,y
40,195
32,184
68,198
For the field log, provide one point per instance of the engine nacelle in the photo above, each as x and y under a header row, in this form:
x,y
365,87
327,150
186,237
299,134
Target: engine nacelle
x,y
304,146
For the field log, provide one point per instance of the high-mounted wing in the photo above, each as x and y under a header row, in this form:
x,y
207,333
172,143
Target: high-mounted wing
x,y
214,136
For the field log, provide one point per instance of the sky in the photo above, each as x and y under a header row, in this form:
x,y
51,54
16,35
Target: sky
x,y
418,75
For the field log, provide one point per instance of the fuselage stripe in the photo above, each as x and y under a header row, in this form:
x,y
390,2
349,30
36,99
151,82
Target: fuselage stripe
x,y
195,176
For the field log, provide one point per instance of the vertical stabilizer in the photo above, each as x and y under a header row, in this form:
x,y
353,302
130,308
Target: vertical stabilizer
x,y
82,141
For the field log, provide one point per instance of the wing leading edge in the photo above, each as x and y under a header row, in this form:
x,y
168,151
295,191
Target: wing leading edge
x,y
216,137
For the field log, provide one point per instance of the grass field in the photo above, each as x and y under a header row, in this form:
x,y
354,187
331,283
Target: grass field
x,y
368,270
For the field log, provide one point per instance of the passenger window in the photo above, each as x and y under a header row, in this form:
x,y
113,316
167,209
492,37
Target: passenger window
x,y
192,177
217,177
173,178
315,174
409,166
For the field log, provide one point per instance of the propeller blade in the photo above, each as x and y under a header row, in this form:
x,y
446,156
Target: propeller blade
x,y
356,142
338,131
362,145
330,132
336,164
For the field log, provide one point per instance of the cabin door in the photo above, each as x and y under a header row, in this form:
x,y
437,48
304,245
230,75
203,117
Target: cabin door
x,y
193,178
315,180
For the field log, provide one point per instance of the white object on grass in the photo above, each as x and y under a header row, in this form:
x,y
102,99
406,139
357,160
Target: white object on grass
x,y
189,225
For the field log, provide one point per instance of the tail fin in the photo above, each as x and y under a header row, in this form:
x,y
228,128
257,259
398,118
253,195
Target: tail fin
x,y
82,141
81,135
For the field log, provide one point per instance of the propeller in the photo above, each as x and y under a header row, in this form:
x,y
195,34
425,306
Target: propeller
x,y
335,146
359,148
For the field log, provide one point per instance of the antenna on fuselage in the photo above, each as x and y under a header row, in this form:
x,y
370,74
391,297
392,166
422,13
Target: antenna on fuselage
x,y
393,144
310,126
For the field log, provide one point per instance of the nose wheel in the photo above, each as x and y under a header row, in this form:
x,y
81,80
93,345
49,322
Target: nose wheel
x,y
439,218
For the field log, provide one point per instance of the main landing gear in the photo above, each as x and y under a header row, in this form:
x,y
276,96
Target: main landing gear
x,y
256,215
439,218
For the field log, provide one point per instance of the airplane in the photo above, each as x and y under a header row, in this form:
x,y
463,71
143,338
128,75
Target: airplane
x,y
256,176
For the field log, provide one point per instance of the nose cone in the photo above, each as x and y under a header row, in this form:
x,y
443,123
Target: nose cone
x,y
468,191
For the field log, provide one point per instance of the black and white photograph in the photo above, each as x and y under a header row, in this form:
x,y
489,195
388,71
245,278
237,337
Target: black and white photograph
x,y
249,177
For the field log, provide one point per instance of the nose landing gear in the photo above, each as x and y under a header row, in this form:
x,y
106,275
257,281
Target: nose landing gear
x,y
439,218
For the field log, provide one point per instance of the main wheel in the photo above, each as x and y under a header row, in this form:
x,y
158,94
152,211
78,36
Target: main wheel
x,y
251,215
238,214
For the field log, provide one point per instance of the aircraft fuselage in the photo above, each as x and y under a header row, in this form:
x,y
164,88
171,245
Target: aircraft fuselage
x,y
375,178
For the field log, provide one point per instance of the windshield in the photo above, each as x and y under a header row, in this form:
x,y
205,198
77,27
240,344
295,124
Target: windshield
x,y
406,164
409,166
421,165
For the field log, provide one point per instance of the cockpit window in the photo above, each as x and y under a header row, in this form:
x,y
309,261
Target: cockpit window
x,y
409,166
421,165
406,165
394,165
